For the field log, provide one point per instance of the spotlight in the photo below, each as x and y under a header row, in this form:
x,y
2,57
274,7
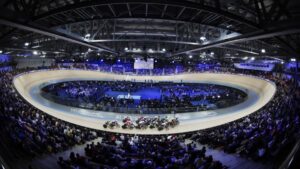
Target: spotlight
x,y
293,59
1,51
87,36
252,58
163,49
190,56
263,51
26,44
126,48
202,38
35,52
212,53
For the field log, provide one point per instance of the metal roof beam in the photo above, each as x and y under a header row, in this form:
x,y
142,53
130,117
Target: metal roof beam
x,y
178,3
51,33
282,29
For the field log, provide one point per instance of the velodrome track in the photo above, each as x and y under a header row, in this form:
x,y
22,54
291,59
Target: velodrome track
x,y
259,91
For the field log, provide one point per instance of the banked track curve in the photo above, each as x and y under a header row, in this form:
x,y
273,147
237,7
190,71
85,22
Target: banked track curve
x,y
259,91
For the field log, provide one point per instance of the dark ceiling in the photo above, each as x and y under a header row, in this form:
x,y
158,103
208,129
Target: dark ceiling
x,y
163,28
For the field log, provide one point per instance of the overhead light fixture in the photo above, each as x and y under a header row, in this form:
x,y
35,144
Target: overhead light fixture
x,y
35,52
263,50
26,44
87,36
163,49
190,56
126,48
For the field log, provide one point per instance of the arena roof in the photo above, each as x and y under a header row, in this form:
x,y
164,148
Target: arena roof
x,y
164,28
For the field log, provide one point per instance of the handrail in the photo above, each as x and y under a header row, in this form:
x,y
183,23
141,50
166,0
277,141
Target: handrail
x,y
3,165
288,161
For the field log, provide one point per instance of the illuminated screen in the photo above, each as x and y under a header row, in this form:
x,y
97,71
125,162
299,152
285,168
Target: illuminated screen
x,y
144,64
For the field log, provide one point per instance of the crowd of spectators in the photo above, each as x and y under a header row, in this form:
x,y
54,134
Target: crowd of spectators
x,y
32,130
135,152
262,135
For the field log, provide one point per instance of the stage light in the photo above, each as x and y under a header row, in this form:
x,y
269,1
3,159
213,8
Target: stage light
x,y
101,60
163,49
87,60
126,48
119,60
26,44
293,59
282,62
212,53
252,58
35,52
263,51
1,51
202,38
245,58
190,56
